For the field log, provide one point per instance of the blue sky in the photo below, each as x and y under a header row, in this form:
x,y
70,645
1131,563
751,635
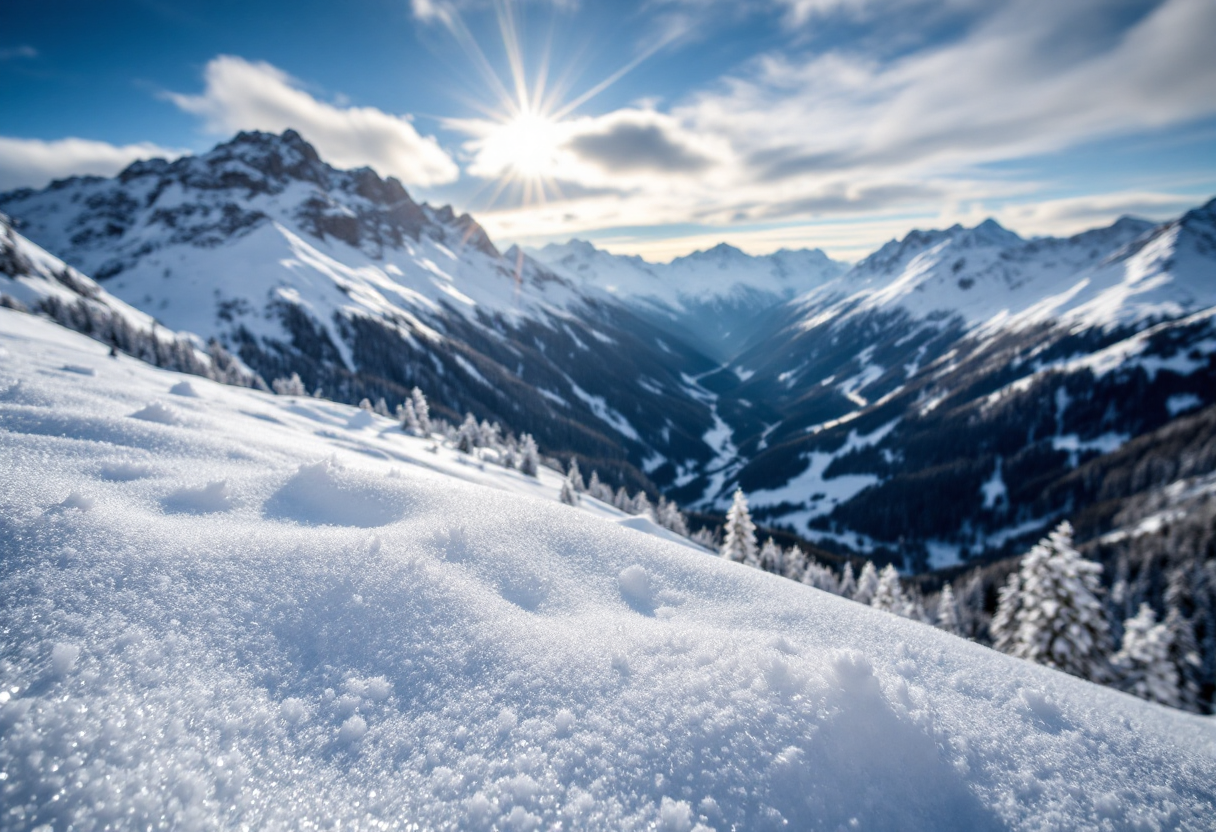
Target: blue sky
x,y
664,125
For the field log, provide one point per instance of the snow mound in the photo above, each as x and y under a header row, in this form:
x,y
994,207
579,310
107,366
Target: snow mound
x,y
349,648
157,412
212,497
184,388
325,494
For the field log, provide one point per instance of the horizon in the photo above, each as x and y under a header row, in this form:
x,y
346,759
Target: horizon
x,y
654,128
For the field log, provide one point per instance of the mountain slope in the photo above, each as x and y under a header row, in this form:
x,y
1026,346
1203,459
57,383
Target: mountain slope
x,y
918,406
341,277
241,616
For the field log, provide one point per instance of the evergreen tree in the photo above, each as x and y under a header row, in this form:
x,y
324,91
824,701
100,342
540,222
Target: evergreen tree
x,y
739,544
706,537
489,434
529,458
365,404
670,517
1143,665
771,558
1060,621
509,457
795,564
819,576
381,407
947,611
599,490
640,505
867,584
889,594
622,501
469,435
1184,646
568,494
293,386
1003,629
422,412
575,476
847,585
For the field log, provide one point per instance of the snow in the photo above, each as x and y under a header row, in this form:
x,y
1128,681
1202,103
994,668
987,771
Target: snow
x,y
369,635
1181,403
993,488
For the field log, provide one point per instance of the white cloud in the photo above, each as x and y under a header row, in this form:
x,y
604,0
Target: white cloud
x,y
34,163
241,95
801,136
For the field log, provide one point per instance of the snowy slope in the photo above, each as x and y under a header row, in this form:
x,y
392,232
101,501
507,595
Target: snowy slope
x,y
222,608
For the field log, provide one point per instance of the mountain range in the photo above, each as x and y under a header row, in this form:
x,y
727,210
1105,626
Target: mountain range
x,y
923,406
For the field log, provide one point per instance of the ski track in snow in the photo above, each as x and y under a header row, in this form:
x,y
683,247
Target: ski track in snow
x,y
251,615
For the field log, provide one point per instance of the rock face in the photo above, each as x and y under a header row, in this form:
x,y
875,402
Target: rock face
x,y
922,406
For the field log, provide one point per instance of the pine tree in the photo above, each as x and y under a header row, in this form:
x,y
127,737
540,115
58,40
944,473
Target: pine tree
x,y
1003,629
771,558
469,435
529,457
1184,646
889,594
621,500
670,517
568,494
819,576
706,537
575,476
365,404
1060,621
489,434
947,611
847,585
739,544
867,584
795,564
1143,665
381,407
422,411
640,505
293,386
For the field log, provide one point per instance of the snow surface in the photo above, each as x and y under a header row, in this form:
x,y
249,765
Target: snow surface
x,y
253,615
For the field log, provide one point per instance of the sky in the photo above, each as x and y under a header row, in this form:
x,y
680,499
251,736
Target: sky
x,y
654,127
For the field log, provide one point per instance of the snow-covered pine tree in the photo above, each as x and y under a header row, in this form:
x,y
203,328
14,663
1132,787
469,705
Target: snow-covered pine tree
x,y
1003,629
819,576
867,584
575,476
705,537
469,435
889,594
1061,622
1142,665
381,407
947,611
622,500
568,494
489,434
1184,646
847,586
509,457
529,457
422,411
670,517
293,386
795,563
739,543
771,558
365,404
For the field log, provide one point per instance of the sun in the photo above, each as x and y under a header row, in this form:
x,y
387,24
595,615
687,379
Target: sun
x,y
526,145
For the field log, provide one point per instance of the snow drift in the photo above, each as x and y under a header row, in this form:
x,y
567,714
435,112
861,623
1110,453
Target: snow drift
x,y
254,615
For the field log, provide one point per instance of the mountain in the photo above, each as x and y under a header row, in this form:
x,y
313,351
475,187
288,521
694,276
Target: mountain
x,y
922,405
715,299
341,277
925,406
223,608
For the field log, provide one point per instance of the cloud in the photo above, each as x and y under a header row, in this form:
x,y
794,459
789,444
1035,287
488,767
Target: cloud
x,y
12,53
242,95
631,146
34,163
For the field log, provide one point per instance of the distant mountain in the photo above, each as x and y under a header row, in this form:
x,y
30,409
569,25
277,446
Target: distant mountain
x,y
926,405
716,299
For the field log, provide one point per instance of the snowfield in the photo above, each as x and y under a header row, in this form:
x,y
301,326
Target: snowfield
x,y
221,608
